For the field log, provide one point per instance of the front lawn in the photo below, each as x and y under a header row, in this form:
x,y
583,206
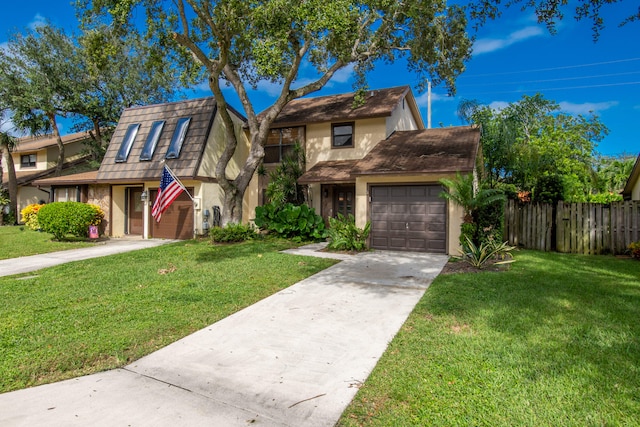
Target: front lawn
x,y
103,313
555,341
17,241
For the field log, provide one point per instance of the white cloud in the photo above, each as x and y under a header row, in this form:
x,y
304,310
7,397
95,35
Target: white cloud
x,y
498,105
422,100
586,107
37,21
488,45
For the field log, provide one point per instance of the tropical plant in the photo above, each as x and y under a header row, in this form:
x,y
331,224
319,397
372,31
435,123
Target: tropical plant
x,y
290,221
345,236
283,184
232,233
488,251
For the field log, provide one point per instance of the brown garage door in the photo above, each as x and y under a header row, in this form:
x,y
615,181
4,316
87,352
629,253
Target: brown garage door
x,y
408,218
176,221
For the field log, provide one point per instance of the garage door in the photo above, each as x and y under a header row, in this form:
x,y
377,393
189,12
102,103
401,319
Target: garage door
x,y
176,221
408,218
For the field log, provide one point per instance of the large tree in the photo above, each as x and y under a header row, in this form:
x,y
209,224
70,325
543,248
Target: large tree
x,y
39,71
7,142
240,43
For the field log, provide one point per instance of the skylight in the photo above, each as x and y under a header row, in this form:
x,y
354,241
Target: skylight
x,y
152,140
127,143
178,138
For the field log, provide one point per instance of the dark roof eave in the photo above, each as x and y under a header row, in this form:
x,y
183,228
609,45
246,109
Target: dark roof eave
x,y
327,181
412,172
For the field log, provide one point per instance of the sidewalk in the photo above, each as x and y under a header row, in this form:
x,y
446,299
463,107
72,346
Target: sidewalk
x,y
296,358
111,246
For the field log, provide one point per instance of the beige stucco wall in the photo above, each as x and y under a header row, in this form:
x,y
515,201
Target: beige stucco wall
x,y
402,118
28,195
635,191
118,203
318,144
454,213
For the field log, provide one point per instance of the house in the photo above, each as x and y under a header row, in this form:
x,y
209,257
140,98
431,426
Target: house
x,y
186,137
632,188
379,163
375,161
36,158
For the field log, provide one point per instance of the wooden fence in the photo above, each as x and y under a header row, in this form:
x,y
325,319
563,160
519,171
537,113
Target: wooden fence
x,y
585,228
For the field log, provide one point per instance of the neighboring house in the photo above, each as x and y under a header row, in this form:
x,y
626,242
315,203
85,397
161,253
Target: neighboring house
x,y
36,158
632,188
378,163
187,137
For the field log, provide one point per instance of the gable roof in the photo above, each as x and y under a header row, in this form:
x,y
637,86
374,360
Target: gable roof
x,y
442,150
202,112
451,149
30,144
89,177
29,177
377,103
633,179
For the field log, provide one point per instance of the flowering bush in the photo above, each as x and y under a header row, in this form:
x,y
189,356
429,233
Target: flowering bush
x,y
30,216
635,250
99,214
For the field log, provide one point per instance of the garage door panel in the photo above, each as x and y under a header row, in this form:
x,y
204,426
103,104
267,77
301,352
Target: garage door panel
x,y
176,221
410,217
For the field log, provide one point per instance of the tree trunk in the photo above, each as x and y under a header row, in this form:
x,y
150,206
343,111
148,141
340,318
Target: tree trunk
x,y
13,181
56,134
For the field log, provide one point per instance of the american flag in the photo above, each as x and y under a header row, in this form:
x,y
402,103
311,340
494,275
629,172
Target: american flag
x,y
170,189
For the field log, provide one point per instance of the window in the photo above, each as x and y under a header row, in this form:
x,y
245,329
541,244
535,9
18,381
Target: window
x,y
127,143
280,142
178,138
152,140
28,160
342,135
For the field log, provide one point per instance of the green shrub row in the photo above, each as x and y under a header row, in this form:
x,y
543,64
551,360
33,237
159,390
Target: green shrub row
x,y
299,223
64,218
232,233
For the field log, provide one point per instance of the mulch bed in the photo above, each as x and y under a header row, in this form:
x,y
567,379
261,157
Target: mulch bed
x,y
458,266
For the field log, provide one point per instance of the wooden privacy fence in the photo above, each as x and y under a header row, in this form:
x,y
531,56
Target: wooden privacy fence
x,y
585,228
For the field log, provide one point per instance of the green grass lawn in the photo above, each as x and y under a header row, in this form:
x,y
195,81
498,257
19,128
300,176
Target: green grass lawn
x,y
102,313
555,341
17,241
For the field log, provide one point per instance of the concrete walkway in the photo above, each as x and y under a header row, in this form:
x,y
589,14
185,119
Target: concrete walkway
x,y
111,246
295,358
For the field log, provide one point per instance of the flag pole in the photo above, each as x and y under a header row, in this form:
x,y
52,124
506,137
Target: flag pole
x,y
178,181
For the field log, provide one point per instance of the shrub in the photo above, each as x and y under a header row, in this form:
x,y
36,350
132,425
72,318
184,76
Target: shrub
x,y
491,250
634,248
232,233
62,218
345,236
292,222
30,216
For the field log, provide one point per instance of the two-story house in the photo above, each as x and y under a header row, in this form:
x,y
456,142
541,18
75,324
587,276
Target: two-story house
x,y
36,158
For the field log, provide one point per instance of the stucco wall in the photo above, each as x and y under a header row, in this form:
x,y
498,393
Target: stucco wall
x,y
635,191
318,141
401,119
118,203
28,195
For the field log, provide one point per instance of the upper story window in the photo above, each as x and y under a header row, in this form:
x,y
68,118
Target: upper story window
x,y
280,142
127,143
342,135
152,140
28,160
178,138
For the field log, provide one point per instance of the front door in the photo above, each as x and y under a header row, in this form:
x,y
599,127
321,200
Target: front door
x,y
136,223
344,200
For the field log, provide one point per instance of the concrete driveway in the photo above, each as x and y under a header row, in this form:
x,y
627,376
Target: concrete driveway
x,y
296,358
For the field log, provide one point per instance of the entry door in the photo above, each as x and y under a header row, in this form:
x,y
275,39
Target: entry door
x,y
136,223
344,200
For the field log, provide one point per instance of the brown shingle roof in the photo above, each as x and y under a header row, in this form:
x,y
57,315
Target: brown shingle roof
x,y
423,151
330,171
378,103
31,143
75,179
202,112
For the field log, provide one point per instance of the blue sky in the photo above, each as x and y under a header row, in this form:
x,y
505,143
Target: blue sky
x,y
513,56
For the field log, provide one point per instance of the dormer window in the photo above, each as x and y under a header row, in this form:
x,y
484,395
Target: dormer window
x,y
152,140
178,138
342,135
127,143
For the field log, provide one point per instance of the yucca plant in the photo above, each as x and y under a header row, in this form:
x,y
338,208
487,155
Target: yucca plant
x,y
479,255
